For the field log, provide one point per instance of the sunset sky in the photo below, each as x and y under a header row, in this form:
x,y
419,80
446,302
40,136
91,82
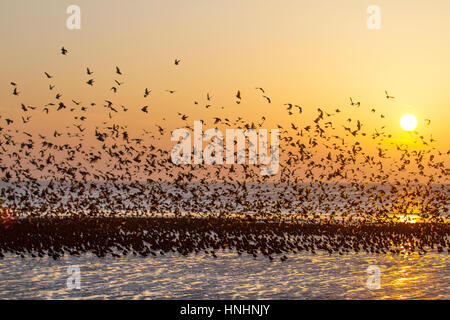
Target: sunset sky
x,y
311,53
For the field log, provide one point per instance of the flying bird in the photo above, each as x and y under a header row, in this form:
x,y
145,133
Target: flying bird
x,y
354,103
387,95
267,98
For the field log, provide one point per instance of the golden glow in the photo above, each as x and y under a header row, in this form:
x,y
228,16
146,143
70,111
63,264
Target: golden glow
x,y
408,122
408,218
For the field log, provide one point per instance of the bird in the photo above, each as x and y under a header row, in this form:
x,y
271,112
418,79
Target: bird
x,y
63,51
354,103
267,98
118,70
177,61
387,95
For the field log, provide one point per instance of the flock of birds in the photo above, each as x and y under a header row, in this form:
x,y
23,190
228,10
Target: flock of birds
x,y
340,187
188,235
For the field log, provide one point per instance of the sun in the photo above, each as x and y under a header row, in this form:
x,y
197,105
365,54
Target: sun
x,y
408,122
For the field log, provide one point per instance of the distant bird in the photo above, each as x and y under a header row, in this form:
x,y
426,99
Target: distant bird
x,y
267,98
177,61
238,96
428,121
89,72
15,92
90,82
145,109
118,71
354,103
388,96
171,91
47,75
146,93
64,51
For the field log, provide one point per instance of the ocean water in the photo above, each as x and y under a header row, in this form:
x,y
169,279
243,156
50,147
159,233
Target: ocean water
x,y
229,276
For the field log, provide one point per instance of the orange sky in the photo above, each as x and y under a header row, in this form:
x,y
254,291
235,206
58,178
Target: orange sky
x,y
311,53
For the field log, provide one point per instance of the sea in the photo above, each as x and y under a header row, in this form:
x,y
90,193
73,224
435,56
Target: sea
x,y
229,276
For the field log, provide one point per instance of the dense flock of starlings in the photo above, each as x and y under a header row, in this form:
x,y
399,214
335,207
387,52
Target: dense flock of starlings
x,y
341,187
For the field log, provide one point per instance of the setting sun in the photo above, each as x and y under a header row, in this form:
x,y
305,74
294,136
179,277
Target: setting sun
x,y
408,122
